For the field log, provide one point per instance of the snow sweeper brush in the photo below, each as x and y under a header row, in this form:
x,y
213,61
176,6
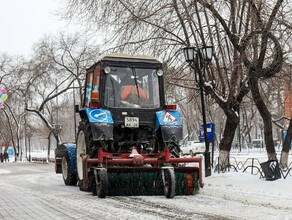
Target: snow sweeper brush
x,y
138,174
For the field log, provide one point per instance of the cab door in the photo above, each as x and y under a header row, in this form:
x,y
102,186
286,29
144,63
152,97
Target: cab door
x,y
92,89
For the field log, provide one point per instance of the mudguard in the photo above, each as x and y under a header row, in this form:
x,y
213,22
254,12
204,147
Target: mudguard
x,y
170,124
101,123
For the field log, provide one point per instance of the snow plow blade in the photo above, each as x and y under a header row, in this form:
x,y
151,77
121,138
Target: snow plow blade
x,y
121,175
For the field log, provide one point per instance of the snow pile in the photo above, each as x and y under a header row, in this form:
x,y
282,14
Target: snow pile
x,y
249,196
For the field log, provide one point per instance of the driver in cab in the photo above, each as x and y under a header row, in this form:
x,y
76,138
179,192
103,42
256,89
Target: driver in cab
x,y
134,94
131,93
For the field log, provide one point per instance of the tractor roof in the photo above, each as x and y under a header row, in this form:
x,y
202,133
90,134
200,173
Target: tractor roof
x,y
126,56
118,57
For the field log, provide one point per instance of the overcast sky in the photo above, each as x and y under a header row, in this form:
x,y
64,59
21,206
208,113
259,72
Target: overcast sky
x,y
24,22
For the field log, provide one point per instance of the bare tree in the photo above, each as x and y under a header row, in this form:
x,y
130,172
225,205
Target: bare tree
x,y
58,63
10,79
239,30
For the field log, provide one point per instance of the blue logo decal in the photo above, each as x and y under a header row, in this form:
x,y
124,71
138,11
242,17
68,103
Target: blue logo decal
x,y
99,115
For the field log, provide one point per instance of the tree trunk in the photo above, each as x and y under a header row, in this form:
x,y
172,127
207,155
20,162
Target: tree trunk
x,y
226,142
49,147
58,141
266,116
286,147
284,160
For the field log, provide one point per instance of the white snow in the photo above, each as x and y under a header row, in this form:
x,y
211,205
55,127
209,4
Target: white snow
x,y
248,197
243,195
230,195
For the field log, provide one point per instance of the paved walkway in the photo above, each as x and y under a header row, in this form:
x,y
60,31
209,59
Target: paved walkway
x,y
19,200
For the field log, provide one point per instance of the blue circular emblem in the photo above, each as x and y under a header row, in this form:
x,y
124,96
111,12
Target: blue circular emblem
x,y
98,115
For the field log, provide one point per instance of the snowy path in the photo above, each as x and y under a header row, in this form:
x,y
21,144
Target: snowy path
x,y
225,196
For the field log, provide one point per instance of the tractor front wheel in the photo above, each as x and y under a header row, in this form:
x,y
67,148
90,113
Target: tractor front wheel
x,y
80,152
101,183
169,183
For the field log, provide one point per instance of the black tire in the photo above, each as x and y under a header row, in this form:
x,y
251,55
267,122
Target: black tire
x,y
58,166
169,183
68,177
60,152
93,186
91,182
101,183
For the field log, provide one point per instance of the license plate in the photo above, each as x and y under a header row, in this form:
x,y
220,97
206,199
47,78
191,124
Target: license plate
x,y
132,122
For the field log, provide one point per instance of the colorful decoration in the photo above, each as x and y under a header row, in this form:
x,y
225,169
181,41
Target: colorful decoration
x,y
3,97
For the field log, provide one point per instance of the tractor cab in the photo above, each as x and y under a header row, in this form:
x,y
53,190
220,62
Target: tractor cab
x,y
125,82
124,106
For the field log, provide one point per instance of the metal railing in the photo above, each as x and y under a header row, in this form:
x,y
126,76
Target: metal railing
x,y
251,164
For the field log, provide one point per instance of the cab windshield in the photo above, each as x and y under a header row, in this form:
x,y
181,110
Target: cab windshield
x,y
132,88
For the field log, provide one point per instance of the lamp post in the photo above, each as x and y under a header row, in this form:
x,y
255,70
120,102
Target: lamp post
x,y
198,59
261,126
29,135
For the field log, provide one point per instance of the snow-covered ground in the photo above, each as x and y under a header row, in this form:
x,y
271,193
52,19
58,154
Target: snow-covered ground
x,y
247,195
230,195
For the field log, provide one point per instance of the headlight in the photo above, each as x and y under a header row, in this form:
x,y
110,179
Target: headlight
x,y
159,73
107,70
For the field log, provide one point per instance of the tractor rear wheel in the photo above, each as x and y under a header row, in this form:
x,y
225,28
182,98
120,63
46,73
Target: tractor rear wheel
x,y
68,177
85,146
169,184
101,183
80,152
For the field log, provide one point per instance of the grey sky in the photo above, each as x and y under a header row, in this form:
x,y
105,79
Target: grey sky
x,y
24,22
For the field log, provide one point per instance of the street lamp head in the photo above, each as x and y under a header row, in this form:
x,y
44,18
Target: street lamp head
x,y
189,53
207,53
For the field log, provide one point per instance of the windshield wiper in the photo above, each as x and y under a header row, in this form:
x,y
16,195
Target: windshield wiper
x,y
135,79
